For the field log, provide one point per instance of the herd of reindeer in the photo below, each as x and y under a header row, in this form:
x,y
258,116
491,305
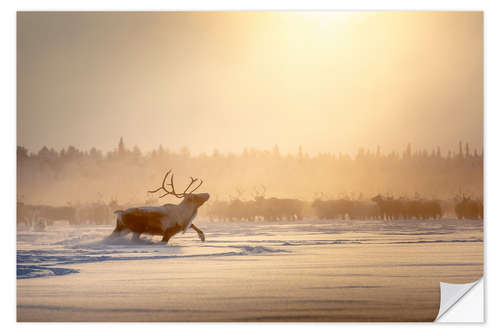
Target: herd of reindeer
x,y
261,208
378,208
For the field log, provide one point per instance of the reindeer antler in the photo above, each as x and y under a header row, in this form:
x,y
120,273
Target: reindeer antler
x,y
171,184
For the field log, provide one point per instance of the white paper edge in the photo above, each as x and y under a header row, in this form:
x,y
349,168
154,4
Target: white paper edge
x,y
461,303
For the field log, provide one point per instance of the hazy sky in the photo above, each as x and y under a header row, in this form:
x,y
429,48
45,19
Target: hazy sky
x,y
329,81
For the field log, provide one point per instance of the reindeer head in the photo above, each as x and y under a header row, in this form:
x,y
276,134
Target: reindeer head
x,y
259,195
197,199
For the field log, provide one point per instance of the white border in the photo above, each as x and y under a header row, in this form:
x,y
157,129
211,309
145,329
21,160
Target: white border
x,y
8,123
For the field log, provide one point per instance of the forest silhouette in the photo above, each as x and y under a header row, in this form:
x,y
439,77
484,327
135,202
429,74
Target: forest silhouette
x,y
73,176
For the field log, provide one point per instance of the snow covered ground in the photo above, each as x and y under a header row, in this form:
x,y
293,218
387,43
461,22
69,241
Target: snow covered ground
x,y
247,271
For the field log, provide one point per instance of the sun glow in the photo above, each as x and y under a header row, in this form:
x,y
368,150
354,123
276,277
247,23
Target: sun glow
x,y
329,81
317,25
326,20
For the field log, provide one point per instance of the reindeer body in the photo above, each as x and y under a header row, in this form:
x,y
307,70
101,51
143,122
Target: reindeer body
x,y
166,220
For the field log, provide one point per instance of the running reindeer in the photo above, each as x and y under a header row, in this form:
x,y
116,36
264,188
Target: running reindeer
x,y
166,220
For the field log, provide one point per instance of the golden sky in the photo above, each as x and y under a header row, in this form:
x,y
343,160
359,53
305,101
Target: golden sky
x,y
329,81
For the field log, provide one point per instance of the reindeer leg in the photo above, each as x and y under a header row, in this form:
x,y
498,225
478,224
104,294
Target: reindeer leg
x,y
117,232
168,233
200,233
166,236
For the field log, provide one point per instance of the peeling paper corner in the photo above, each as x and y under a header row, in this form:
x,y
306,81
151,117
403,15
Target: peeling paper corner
x,y
457,306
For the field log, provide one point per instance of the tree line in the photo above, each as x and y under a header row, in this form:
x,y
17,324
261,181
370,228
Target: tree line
x,y
76,177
